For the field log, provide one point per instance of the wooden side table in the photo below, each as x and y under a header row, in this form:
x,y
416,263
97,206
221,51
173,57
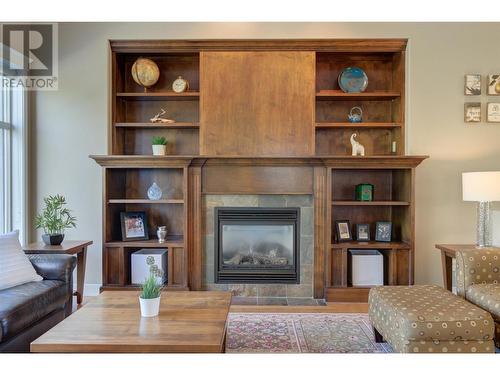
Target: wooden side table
x,y
448,252
67,247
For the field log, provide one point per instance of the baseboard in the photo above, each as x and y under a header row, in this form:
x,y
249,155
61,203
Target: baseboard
x,y
90,289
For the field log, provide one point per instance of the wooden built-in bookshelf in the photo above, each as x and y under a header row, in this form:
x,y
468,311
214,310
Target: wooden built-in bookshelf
x,y
232,134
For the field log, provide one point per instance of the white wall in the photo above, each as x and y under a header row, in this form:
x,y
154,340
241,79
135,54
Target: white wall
x,y
71,123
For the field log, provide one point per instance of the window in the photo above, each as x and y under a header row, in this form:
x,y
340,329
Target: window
x,y
5,141
13,160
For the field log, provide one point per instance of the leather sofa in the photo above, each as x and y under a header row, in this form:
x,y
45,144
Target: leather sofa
x,y
478,281
29,310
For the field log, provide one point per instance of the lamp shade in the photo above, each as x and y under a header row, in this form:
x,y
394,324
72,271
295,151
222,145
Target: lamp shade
x,y
481,186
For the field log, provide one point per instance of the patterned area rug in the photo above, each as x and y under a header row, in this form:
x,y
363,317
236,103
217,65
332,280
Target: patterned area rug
x,y
301,333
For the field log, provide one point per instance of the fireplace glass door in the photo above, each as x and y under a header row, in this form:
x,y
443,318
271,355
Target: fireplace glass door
x,y
257,245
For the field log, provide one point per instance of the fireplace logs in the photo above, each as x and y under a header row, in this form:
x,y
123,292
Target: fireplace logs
x,y
257,259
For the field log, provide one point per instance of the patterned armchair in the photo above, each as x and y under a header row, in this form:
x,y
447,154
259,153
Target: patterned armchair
x,y
478,281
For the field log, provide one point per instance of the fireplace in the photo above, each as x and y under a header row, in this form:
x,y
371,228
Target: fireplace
x,y
257,245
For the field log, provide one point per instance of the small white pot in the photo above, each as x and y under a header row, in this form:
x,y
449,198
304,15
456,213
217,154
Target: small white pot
x,y
149,307
159,149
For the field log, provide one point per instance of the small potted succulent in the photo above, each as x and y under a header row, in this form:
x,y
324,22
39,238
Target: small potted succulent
x,y
54,219
149,299
159,145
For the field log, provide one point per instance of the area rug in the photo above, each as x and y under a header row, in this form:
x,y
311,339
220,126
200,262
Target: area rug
x,y
301,333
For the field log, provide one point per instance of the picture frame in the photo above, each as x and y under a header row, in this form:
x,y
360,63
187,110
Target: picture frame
x,y
472,84
134,226
493,112
494,84
383,231
343,229
363,232
472,112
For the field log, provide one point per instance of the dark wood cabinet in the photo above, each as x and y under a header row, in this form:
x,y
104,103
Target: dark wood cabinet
x,y
260,117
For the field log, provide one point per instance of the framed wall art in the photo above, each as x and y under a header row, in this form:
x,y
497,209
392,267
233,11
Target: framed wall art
x,y
473,84
472,112
493,112
494,84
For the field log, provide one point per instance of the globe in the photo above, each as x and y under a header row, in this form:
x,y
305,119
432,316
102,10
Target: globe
x,y
145,72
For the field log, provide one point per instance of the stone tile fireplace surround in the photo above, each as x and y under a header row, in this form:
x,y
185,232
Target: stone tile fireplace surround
x,y
304,202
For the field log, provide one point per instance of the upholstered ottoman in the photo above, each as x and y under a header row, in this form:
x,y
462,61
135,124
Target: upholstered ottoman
x,y
425,318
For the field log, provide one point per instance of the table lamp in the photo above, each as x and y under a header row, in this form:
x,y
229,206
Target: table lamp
x,y
484,188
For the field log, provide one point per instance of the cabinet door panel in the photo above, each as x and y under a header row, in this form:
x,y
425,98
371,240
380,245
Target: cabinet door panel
x,y
257,103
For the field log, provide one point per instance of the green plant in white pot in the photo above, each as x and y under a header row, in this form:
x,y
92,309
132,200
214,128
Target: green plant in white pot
x,y
54,219
159,145
150,296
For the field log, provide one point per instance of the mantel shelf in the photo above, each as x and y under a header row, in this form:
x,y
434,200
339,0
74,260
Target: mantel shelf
x,y
363,125
179,161
340,95
146,201
147,125
370,203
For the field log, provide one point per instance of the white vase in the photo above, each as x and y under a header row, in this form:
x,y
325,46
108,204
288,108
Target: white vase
x,y
150,306
159,149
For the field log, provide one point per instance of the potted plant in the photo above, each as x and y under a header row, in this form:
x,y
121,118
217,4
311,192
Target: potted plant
x,y
150,296
54,219
159,145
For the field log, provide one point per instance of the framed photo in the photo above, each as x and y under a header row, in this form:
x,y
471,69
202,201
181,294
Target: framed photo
x,y
134,226
473,84
343,230
494,84
383,231
472,112
363,232
493,112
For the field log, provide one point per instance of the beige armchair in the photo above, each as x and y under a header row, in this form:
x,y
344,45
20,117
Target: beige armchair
x,y
478,281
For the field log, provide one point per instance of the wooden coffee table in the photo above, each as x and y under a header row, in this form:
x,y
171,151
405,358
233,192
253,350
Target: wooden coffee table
x,y
189,322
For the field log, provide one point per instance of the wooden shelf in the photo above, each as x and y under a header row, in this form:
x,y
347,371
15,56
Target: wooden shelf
x,y
150,125
147,201
171,241
166,95
359,125
370,203
370,245
340,95
142,161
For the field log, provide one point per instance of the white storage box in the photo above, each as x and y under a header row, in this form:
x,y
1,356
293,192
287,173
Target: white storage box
x,y
141,268
367,267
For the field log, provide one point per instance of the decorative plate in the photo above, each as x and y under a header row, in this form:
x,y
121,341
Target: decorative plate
x,y
353,79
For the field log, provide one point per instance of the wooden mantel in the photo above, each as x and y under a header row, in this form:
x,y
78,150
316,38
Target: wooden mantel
x,y
408,161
